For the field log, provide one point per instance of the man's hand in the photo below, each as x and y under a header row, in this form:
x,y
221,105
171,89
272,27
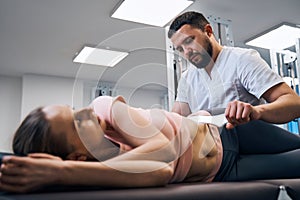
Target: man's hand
x,y
238,112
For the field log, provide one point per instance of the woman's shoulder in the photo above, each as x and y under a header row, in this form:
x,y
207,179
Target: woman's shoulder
x,y
102,105
109,98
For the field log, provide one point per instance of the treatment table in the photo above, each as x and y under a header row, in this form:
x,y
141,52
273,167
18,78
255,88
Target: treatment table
x,y
277,189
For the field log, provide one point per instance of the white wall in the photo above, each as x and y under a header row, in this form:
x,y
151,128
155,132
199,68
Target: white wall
x,y
10,106
20,95
144,98
141,98
44,90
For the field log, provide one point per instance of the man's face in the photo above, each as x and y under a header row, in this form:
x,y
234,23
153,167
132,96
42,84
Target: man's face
x,y
194,45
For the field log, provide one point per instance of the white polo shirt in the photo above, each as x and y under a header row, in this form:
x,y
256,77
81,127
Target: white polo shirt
x,y
238,74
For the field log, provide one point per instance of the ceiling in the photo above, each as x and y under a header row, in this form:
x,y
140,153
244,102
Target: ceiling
x,y
43,36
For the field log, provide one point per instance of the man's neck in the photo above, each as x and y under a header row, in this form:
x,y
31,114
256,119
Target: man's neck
x,y
216,51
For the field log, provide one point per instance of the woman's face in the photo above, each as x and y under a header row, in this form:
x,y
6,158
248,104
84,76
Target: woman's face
x,y
81,129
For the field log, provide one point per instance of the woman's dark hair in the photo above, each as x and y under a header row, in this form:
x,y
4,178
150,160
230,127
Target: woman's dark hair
x,y
195,19
34,136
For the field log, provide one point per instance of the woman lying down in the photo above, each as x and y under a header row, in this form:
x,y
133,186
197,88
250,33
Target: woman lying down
x,y
112,144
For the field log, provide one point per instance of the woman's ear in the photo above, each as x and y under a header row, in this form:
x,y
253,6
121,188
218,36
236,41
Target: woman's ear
x,y
77,156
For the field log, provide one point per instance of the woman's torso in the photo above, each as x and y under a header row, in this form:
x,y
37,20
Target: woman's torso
x,y
207,154
198,146
195,162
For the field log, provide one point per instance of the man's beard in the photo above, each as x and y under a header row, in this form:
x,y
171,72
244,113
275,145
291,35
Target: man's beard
x,y
205,56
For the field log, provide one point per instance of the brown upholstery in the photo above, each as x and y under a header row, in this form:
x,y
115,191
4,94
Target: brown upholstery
x,y
253,190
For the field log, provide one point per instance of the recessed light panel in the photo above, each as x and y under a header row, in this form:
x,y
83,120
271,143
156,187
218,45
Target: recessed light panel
x,y
278,39
103,57
152,12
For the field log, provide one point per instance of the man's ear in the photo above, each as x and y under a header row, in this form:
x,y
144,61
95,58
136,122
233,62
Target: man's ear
x,y
208,29
77,156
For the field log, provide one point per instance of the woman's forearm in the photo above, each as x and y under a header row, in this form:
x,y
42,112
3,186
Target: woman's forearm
x,y
24,174
115,174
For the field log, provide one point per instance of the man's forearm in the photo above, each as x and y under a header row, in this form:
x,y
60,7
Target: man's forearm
x,y
284,109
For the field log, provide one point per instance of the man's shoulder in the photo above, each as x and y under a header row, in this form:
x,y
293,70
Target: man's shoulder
x,y
238,50
240,55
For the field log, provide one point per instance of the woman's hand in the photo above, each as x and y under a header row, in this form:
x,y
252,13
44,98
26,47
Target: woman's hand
x,y
24,174
238,112
44,155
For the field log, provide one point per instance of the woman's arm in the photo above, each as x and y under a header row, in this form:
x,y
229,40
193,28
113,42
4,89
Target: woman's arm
x,y
181,108
139,131
23,174
137,173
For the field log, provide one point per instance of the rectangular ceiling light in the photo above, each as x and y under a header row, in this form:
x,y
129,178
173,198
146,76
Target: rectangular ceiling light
x,y
152,12
103,57
278,38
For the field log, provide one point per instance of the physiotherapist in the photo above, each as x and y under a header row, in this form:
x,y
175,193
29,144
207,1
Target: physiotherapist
x,y
237,79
